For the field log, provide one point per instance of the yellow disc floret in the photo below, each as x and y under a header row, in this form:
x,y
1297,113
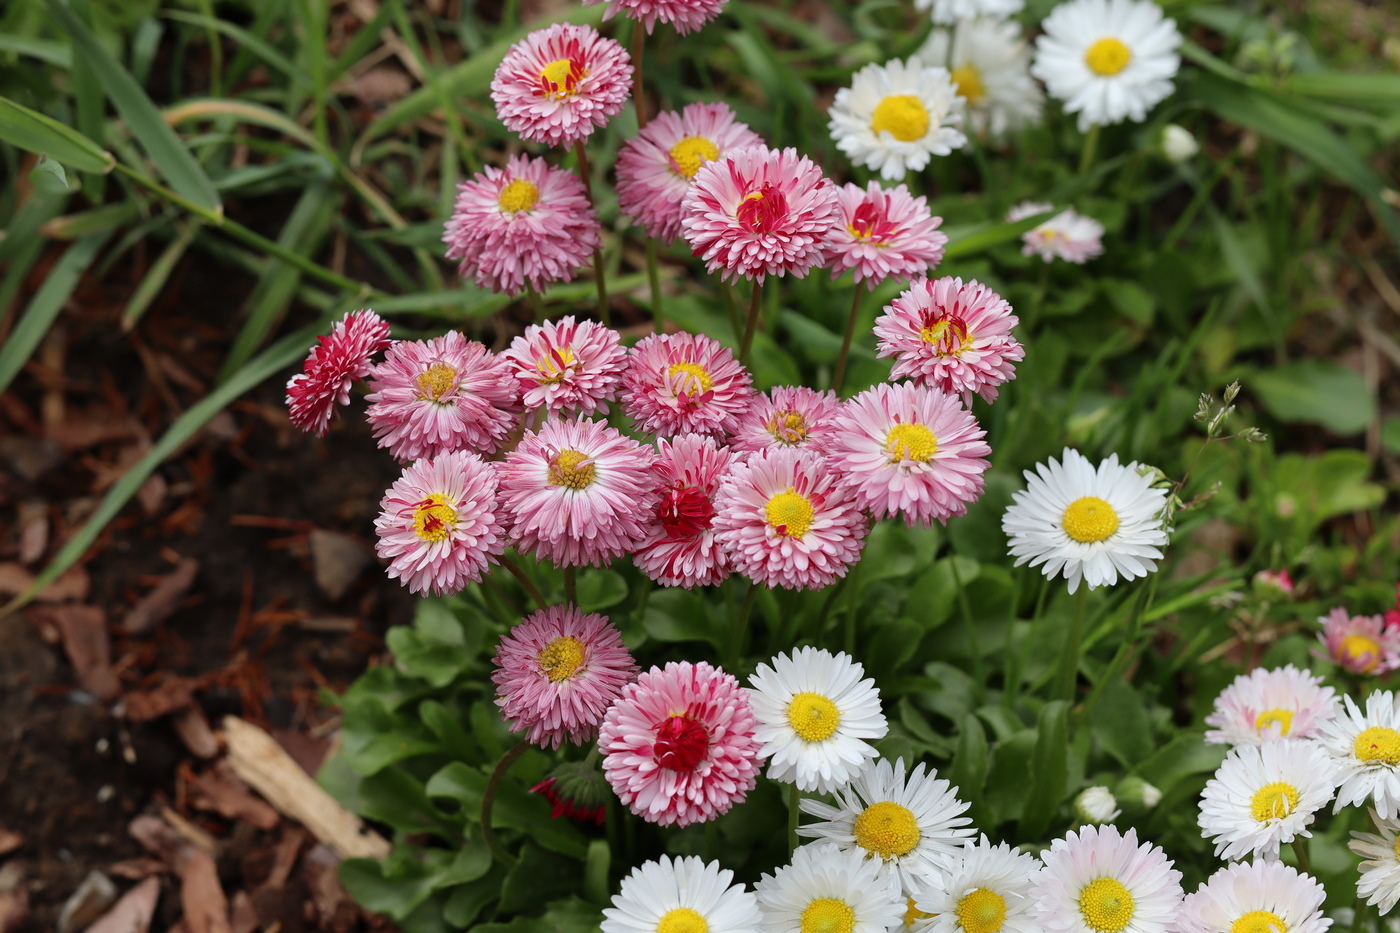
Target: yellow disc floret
x,y
828,915
682,920
691,153
1106,905
561,658
436,381
982,911
788,427
1259,921
790,513
690,378
1283,718
969,83
1378,744
887,829
1355,647
553,366
434,518
1273,801
911,441
572,468
912,914
903,116
561,77
1089,519
949,337
1107,57
813,717
519,195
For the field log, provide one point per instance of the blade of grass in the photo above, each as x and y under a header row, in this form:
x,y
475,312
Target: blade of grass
x,y
53,53
90,100
246,40
34,132
159,273
975,241
85,223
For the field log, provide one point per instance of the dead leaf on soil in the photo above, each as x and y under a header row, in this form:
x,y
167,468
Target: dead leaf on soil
x,y
171,694
202,897
88,431
10,841
84,633
138,869
131,914
157,605
338,559
220,790
14,908
72,585
192,726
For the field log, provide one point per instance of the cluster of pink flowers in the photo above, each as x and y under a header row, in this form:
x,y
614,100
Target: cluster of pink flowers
x,y
1362,644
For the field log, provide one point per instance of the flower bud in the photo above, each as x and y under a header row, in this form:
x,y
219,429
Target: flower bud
x,y
576,790
1273,584
1137,795
1178,145
1096,805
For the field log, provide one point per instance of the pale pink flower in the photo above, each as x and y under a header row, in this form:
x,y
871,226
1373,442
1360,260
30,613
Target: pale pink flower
x,y
787,417
949,336
788,520
1068,235
1361,644
654,170
567,365
1274,583
678,744
524,224
758,212
685,15
883,233
907,449
684,383
447,393
1265,705
560,83
439,524
578,492
337,360
681,550
557,673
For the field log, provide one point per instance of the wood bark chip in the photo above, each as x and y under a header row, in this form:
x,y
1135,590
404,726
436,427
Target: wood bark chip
x,y
160,602
131,914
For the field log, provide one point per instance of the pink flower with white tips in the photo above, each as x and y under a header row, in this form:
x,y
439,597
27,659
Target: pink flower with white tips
x,y
685,15
684,383
682,550
1361,644
337,360
787,417
567,365
560,83
1068,235
883,233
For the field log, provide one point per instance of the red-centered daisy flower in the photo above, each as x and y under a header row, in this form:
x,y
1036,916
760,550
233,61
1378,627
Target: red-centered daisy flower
x,y
908,449
758,212
787,417
338,359
684,383
567,365
439,524
678,744
655,169
949,336
524,224
883,233
681,550
557,673
787,520
444,394
1360,644
578,492
560,83
685,15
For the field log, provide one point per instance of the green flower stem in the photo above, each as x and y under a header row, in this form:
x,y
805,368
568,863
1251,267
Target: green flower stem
x,y
1068,674
536,302
740,627
488,800
639,43
793,812
1127,648
974,644
600,278
755,304
658,322
840,373
525,581
571,585
1086,155
1300,849
852,604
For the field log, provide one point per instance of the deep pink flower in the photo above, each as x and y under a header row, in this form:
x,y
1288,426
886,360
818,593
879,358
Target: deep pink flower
x,y
1392,616
560,83
338,359
884,233
681,550
563,805
684,383
1274,583
685,15
786,417
1361,644
567,365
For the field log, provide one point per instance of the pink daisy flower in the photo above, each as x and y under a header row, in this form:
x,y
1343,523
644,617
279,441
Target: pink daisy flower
x,y
884,233
447,393
567,365
684,383
1068,235
654,170
439,525
678,744
524,224
788,520
1265,705
685,15
758,212
681,550
578,492
560,83
338,359
557,673
949,336
787,417
908,449
1361,644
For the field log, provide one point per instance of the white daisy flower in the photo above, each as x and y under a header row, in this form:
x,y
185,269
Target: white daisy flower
x,y
826,890
987,889
1108,60
1101,881
895,116
1068,235
815,713
1379,883
1096,805
914,826
686,895
990,63
1260,897
1366,749
1263,796
1270,704
1092,525
950,11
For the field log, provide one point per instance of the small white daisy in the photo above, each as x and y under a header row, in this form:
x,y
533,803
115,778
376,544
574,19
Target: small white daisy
x,y
950,11
990,63
1379,883
1270,704
895,116
1366,749
1263,796
1068,235
987,889
826,890
1260,897
1096,805
815,713
913,825
1101,881
1092,525
1108,60
686,895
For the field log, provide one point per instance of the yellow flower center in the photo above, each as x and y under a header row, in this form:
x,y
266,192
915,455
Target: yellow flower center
x,y
1089,519
982,911
813,717
556,364
1355,647
682,920
1106,905
911,441
1273,801
1395,847
561,658
969,83
519,195
560,78
1378,744
1107,57
790,513
1282,717
887,829
902,116
787,427
433,518
949,337
691,153
913,914
436,381
572,468
1259,921
828,915
690,378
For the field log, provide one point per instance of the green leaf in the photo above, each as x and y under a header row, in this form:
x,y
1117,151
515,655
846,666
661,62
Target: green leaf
x,y
1049,770
573,915
680,615
1390,434
34,132
971,759
1005,795
600,589
1347,87
893,549
595,872
967,242
395,896
48,176
1120,724
935,592
1318,391
153,283
1180,758
540,875
466,901
45,306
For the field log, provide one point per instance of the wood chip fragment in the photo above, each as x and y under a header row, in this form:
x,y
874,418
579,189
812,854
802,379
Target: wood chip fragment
x,y
131,914
192,726
84,631
219,790
160,602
